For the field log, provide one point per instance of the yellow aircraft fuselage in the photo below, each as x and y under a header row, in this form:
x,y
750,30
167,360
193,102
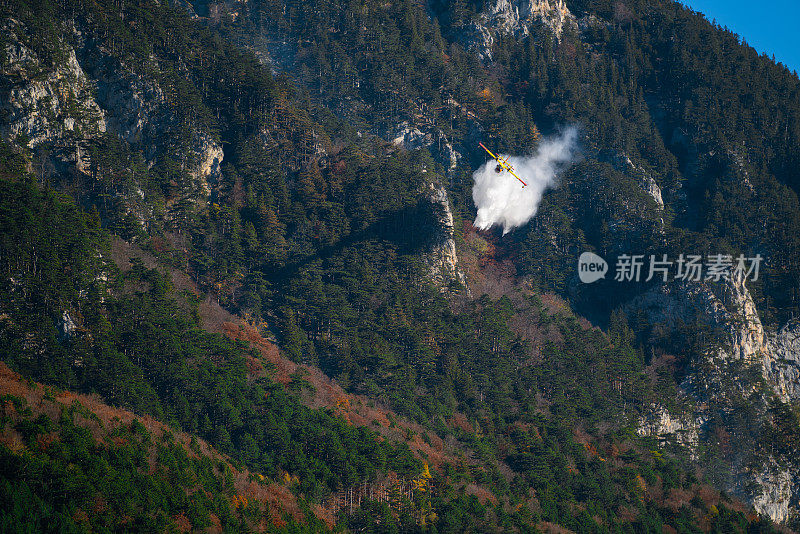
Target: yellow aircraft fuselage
x,y
503,163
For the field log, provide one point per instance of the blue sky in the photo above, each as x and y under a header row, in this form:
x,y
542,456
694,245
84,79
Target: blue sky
x,y
770,27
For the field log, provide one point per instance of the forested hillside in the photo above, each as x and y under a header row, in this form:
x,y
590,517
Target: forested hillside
x,y
251,222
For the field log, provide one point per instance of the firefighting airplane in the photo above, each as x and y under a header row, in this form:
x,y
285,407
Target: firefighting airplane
x,y
503,165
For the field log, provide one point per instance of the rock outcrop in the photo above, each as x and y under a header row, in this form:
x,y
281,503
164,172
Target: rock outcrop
x,y
646,181
207,156
514,17
66,326
661,424
85,94
45,106
778,491
412,137
782,364
135,105
478,38
442,258
742,364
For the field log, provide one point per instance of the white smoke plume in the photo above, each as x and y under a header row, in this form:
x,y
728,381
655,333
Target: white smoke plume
x,y
501,199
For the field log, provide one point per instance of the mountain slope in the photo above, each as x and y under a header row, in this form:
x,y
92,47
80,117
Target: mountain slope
x,y
117,336
689,141
71,462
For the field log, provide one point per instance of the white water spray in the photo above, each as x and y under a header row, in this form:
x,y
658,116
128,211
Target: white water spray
x,y
501,199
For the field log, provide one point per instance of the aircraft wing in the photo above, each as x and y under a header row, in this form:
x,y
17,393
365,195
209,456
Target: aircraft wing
x,y
517,177
489,151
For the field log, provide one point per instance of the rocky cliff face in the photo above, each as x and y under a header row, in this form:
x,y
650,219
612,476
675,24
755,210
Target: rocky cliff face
x,y
134,106
778,496
743,365
514,17
42,104
662,424
646,181
207,156
782,364
84,94
412,137
442,258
